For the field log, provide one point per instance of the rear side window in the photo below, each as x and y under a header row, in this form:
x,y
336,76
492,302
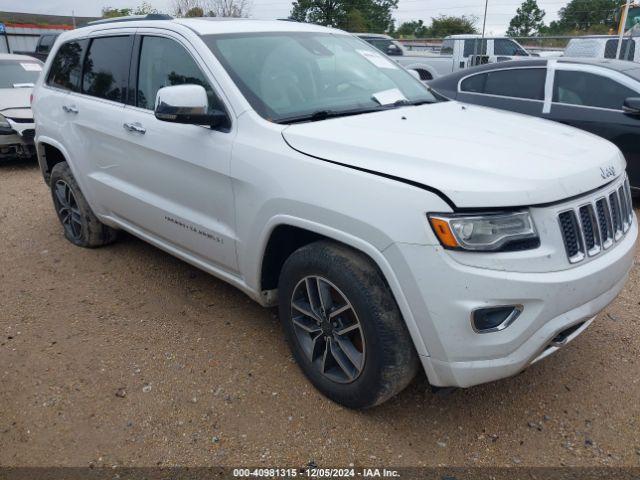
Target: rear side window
x,y
473,47
474,84
66,67
106,68
526,83
447,47
628,51
590,90
45,44
164,63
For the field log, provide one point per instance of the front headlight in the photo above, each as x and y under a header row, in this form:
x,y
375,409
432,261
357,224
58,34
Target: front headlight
x,y
491,232
3,122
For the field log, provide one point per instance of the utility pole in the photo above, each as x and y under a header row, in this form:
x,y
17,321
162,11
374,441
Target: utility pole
x,y
484,24
623,23
484,27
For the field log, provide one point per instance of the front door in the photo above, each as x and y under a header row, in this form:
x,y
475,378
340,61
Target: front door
x,y
175,178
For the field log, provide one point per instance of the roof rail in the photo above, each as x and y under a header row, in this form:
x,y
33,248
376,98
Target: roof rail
x,y
132,18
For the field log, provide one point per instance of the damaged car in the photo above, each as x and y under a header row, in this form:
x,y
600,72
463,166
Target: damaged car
x,y
18,75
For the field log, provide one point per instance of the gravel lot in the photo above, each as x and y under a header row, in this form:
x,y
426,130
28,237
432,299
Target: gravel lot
x,y
127,356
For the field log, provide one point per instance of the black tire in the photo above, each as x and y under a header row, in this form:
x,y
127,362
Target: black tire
x,y
81,226
390,361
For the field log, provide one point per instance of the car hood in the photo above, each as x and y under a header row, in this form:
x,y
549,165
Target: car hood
x,y
475,156
15,102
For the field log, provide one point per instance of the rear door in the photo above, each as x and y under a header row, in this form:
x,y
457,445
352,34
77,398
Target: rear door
x,y
592,99
174,179
94,113
519,90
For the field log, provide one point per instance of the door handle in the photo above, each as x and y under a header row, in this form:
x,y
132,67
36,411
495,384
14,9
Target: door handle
x,y
70,108
135,128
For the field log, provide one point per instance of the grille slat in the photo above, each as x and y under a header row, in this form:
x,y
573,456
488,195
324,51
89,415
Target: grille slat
x,y
616,215
624,209
589,229
572,236
604,219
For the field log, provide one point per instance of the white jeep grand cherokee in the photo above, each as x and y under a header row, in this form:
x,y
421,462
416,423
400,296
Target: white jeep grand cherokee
x,y
304,167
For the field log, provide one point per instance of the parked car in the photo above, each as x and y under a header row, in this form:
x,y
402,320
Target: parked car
x,y
457,52
307,169
604,46
599,96
18,75
44,45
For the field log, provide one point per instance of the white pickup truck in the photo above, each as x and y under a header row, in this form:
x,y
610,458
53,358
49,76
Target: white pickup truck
x,y
604,46
457,52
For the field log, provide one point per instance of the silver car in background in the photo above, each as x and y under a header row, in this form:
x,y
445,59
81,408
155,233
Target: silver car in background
x,y
18,75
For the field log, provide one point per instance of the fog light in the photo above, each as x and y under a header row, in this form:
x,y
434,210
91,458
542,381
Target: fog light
x,y
494,319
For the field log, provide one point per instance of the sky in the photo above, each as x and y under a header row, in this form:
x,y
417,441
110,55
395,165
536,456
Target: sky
x,y
499,13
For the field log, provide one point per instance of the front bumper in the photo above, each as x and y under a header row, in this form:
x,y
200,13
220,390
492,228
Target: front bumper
x,y
442,292
18,142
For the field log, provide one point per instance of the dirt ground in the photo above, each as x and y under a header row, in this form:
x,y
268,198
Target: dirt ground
x,y
127,356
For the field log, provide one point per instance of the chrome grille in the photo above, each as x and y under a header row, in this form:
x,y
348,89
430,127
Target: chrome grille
x,y
595,225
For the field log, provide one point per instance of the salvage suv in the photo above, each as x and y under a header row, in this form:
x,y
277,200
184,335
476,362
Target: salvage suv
x,y
307,169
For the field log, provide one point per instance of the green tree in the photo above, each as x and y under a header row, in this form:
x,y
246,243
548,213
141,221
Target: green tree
x,y
143,9
195,12
108,12
449,25
412,29
529,20
373,15
356,21
590,16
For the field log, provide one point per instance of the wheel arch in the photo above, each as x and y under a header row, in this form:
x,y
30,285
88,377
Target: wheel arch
x,y
50,153
302,232
423,69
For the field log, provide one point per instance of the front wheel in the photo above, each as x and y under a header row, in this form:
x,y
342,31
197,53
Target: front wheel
x,y
343,325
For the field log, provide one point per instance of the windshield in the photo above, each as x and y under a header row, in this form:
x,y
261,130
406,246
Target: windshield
x,y
285,75
633,19
19,73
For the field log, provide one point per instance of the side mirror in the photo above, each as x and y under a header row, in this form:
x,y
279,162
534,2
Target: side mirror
x,y
631,106
415,74
187,104
394,51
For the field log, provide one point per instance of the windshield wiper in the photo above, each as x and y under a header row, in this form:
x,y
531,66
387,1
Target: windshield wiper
x,y
325,114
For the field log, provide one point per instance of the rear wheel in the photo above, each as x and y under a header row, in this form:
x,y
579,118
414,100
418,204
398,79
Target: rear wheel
x,y
343,325
81,226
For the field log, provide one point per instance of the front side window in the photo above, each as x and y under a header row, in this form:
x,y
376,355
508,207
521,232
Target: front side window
x,y
590,90
19,73
293,74
66,67
164,63
106,68
526,83
503,46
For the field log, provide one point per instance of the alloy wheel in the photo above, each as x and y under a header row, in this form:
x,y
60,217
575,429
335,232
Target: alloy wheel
x,y
328,329
67,208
